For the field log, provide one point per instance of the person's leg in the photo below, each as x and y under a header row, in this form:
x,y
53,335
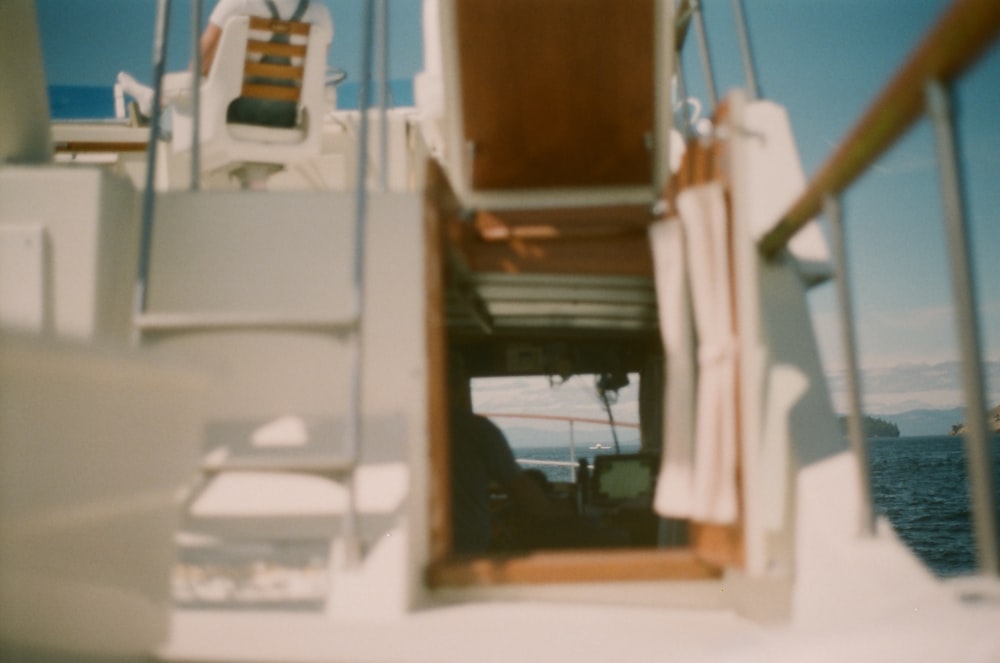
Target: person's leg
x,y
143,94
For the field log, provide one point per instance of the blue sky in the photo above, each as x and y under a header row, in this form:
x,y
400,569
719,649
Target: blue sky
x,y
825,60
87,42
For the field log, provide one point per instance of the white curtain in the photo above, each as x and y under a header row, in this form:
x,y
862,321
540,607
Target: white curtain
x,y
674,487
698,475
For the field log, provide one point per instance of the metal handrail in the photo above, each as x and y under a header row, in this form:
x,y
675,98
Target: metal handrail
x,y
571,463
351,533
196,65
959,38
160,37
148,196
746,52
706,57
555,417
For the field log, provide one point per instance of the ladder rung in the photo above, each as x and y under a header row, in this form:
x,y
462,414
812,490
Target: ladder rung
x,y
321,464
166,322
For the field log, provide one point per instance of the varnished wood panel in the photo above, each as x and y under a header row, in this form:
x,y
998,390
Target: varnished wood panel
x,y
557,93
438,204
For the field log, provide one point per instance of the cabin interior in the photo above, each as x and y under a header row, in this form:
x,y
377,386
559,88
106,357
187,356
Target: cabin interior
x,y
526,278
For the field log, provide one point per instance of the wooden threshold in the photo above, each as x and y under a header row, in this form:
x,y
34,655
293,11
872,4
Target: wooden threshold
x,y
547,567
79,147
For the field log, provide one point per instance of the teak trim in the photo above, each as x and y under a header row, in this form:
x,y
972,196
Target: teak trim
x,y
267,70
439,203
279,26
276,92
277,49
544,567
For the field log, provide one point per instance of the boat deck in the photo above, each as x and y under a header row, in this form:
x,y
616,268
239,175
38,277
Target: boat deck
x,y
920,628
484,632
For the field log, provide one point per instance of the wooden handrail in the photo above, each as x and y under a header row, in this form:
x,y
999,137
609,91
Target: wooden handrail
x,y
958,39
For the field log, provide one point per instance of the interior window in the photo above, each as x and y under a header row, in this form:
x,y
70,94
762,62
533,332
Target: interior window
x,y
532,307
578,440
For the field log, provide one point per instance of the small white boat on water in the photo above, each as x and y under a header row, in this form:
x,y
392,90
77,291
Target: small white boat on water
x,y
186,371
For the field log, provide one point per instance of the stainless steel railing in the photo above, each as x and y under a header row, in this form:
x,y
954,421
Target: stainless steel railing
x,y
571,423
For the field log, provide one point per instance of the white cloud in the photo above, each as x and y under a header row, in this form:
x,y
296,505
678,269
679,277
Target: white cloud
x,y
894,389
909,359
535,395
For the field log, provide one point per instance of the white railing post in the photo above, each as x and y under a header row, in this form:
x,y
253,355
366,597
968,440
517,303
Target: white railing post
x,y
977,442
706,56
859,445
749,70
383,93
572,451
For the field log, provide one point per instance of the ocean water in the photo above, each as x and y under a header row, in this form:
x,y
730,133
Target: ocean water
x,y
81,102
919,483
97,102
529,455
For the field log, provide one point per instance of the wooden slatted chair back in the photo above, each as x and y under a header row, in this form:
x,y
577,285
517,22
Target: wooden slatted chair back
x,y
274,64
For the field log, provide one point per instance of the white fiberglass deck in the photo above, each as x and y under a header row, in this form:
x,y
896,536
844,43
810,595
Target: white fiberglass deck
x,y
927,630
501,632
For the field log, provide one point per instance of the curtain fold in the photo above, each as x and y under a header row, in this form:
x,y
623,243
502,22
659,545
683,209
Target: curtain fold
x,y
674,485
693,271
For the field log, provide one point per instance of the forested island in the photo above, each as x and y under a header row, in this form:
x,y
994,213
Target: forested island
x,y
873,427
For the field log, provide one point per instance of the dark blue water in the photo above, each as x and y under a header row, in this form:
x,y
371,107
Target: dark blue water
x,y
919,483
554,473
89,102
81,102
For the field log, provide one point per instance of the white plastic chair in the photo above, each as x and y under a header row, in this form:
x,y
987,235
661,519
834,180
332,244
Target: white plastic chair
x,y
254,151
